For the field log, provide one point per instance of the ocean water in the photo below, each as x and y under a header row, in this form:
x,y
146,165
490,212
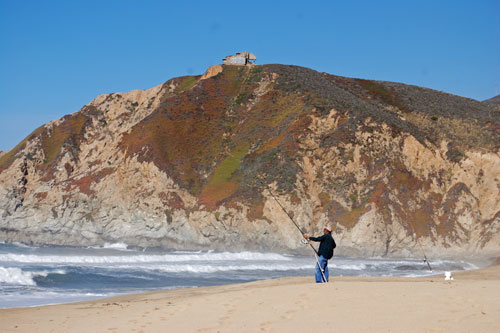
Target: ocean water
x,y
32,276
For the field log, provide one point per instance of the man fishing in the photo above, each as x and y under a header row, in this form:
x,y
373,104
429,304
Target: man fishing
x,y
325,252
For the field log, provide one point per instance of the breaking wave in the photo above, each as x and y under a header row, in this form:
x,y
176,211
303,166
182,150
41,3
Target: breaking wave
x,y
186,268
354,267
16,276
115,246
207,256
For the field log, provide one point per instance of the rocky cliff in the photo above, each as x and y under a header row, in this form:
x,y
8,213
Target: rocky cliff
x,y
186,165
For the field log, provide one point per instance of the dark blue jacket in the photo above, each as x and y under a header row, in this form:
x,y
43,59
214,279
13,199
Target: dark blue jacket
x,y
326,245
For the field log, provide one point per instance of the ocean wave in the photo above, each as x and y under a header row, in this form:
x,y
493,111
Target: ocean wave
x,y
115,246
21,245
112,246
191,252
16,276
353,267
213,268
88,259
13,275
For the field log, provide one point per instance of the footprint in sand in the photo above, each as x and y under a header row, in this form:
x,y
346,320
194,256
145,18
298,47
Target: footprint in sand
x,y
288,314
265,326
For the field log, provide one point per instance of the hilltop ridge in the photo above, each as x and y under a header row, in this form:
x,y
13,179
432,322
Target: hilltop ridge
x,y
185,165
493,100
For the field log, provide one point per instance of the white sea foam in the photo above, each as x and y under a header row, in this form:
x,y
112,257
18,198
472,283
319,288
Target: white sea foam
x,y
190,252
115,246
182,268
14,275
21,245
112,246
224,256
43,297
354,267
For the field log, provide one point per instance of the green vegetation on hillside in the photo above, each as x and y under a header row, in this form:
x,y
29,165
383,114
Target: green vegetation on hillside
x,y
10,156
69,131
223,183
186,83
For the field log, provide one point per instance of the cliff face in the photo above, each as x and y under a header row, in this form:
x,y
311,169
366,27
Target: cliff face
x,y
186,164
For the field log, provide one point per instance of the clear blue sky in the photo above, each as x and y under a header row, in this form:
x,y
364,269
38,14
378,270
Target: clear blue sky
x,y
56,56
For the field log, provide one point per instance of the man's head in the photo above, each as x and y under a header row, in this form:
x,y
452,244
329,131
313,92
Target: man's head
x,y
327,229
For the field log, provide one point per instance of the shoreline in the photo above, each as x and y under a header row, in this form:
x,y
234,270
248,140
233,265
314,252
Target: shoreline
x,y
469,302
476,265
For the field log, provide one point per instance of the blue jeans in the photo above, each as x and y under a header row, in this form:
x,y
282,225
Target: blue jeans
x,y
323,262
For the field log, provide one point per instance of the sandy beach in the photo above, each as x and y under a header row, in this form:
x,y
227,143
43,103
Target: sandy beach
x,y
469,303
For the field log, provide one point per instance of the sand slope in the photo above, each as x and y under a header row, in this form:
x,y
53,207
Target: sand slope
x,y
350,304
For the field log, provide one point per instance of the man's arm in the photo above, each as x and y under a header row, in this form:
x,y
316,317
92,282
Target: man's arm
x,y
316,239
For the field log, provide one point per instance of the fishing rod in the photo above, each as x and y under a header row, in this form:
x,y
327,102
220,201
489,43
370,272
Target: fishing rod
x,y
420,245
298,228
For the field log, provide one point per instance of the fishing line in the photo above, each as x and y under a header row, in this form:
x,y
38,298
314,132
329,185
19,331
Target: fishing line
x,y
298,228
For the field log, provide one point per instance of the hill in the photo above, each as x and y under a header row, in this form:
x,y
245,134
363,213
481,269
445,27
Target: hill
x,y
186,165
493,100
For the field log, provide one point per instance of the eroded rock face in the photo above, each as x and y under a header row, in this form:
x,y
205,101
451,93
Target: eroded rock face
x,y
188,164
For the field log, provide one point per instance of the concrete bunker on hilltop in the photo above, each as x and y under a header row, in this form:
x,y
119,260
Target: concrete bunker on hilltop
x,y
240,59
